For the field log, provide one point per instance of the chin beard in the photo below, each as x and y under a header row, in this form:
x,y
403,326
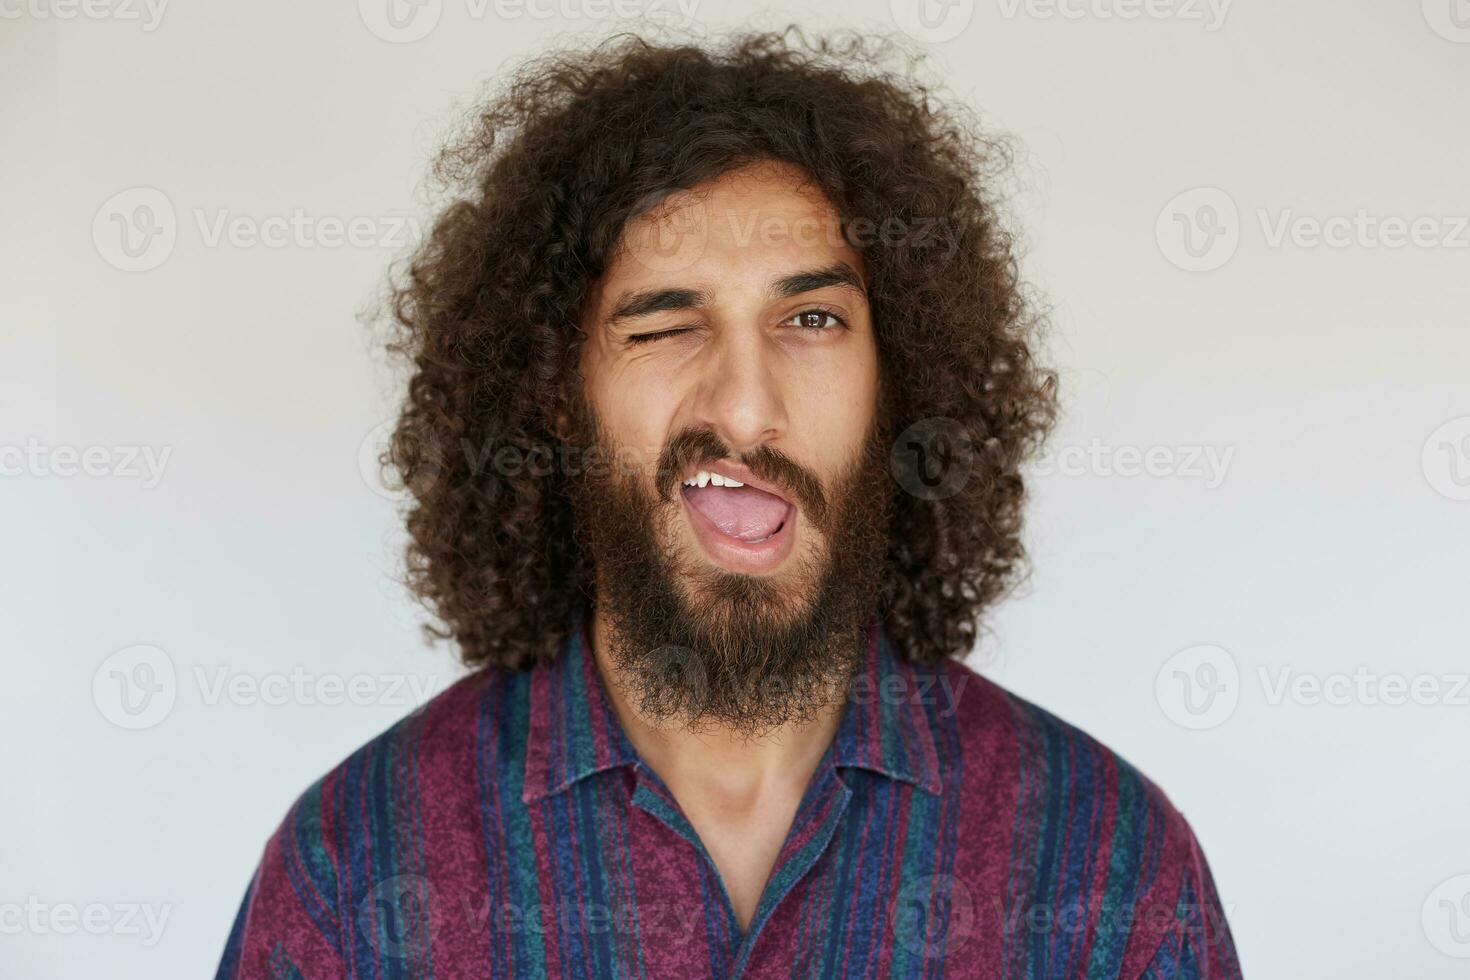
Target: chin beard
x,y
696,647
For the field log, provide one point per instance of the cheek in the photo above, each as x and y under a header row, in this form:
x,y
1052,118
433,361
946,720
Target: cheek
x,y
635,413
836,402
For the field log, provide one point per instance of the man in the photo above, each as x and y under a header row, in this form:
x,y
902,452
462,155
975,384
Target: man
x,y
722,381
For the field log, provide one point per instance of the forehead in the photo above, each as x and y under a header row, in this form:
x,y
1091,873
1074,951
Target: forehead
x,y
735,231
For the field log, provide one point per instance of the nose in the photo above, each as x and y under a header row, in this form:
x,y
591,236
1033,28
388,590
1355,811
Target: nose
x,y
742,397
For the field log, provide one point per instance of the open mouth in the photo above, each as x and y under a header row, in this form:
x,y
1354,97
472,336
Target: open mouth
x,y
740,522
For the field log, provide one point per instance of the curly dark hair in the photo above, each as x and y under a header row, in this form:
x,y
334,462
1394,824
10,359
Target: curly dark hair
x,y
544,176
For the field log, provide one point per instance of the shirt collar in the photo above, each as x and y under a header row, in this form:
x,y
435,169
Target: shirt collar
x,y
886,725
573,731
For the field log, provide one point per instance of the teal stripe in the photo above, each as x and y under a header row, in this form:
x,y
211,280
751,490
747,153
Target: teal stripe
x,y
513,710
1120,893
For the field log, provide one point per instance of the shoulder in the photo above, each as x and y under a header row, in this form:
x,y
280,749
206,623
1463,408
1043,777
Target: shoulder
x,y
422,763
997,737
421,774
350,856
1084,831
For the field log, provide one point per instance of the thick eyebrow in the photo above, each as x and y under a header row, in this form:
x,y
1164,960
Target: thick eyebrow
x,y
837,274
648,302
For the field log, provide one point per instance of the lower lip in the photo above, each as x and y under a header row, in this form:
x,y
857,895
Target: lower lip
x,y
743,556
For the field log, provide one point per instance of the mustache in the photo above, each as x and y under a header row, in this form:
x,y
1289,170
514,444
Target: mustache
x,y
696,446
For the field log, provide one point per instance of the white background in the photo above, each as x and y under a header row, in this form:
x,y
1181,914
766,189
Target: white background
x,y
1333,542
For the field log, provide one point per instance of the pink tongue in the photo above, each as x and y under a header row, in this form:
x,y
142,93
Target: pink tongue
x,y
741,512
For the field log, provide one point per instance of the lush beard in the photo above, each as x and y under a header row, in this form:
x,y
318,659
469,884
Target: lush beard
x,y
696,646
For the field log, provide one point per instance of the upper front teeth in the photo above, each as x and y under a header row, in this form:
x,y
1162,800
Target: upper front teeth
x,y
704,478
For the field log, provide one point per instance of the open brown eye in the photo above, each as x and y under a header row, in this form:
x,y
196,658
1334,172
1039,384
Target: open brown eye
x,y
813,319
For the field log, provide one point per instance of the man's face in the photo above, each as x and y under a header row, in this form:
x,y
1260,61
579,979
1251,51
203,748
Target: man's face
x,y
730,368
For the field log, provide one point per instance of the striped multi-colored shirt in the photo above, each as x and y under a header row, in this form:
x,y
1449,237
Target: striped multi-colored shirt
x,y
507,828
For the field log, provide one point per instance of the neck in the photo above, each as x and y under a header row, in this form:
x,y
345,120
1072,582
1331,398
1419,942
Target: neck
x,y
715,760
